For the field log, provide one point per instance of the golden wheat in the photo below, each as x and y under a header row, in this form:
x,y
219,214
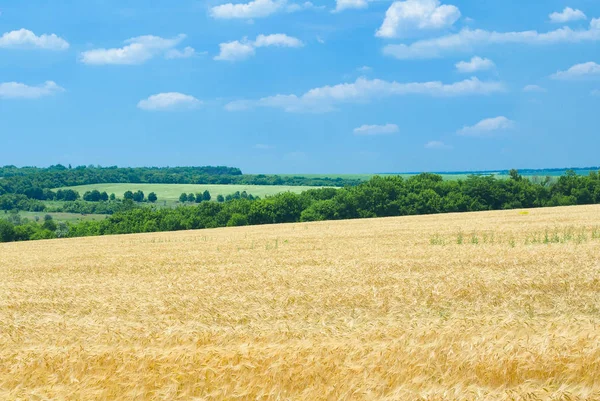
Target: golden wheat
x,y
406,308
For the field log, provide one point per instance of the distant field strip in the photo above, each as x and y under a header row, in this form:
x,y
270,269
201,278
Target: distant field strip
x,y
71,217
171,192
475,306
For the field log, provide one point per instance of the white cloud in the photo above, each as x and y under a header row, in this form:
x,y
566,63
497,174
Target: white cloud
x,y
241,50
579,71
487,127
307,5
169,101
437,145
534,88
364,69
235,51
404,17
138,50
253,9
476,64
16,90
342,5
258,9
263,146
185,53
376,129
24,38
324,99
568,14
595,92
468,39
278,39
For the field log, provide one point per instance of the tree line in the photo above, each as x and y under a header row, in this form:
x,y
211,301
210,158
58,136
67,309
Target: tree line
x,y
378,197
36,183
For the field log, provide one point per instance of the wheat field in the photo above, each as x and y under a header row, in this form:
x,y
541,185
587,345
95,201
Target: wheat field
x,y
476,306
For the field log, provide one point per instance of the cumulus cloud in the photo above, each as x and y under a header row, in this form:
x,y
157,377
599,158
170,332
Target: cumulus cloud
x,y
487,127
341,5
253,9
307,5
437,145
324,99
579,71
185,53
534,88
169,101
278,39
16,90
474,65
404,17
567,15
137,50
468,39
235,51
257,9
241,50
24,39
376,129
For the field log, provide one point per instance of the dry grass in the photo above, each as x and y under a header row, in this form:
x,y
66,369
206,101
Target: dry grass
x,y
370,309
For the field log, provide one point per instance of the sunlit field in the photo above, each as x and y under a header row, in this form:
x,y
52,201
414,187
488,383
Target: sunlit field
x,y
171,192
475,306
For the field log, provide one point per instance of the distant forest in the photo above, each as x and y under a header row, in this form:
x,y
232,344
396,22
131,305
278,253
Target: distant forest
x,y
18,180
378,197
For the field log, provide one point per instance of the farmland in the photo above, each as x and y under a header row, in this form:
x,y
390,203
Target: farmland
x,y
495,305
70,217
171,192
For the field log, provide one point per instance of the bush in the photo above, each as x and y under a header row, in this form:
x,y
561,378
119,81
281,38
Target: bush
x,y
237,220
7,231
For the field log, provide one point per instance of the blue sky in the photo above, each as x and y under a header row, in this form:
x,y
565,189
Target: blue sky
x,y
276,86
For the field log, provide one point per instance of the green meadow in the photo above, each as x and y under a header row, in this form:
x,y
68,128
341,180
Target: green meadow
x,y
171,192
70,217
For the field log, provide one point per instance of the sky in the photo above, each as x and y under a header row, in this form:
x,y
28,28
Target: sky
x,y
291,86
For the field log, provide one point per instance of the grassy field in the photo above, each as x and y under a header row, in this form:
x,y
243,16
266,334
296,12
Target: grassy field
x,y
171,192
476,306
70,217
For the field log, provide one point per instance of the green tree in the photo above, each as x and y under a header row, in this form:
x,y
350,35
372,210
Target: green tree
x,y
237,219
220,198
138,196
152,197
128,195
7,231
62,231
191,197
514,175
112,197
206,196
49,223
183,198
199,198
93,196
